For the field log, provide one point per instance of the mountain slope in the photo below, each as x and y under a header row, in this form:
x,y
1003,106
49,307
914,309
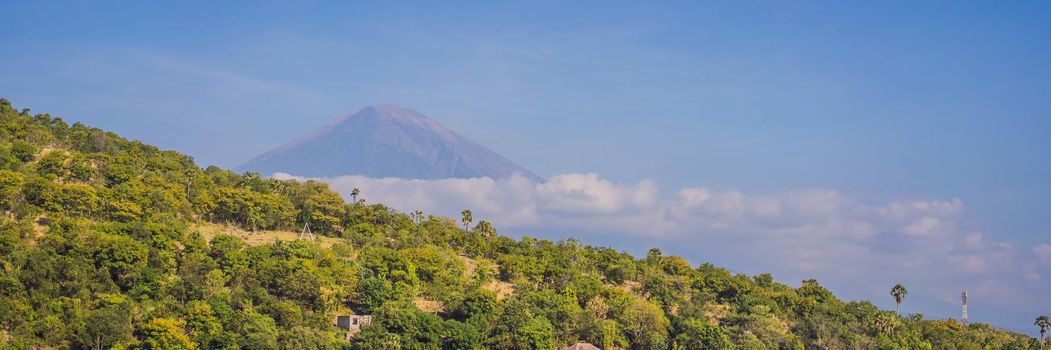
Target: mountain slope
x,y
385,141
111,243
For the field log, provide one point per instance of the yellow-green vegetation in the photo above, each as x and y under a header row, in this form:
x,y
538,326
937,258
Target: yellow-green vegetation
x,y
111,243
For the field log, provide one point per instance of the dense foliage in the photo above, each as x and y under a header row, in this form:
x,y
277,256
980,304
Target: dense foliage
x,y
103,244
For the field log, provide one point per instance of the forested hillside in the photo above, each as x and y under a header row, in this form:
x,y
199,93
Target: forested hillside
x,y
111,243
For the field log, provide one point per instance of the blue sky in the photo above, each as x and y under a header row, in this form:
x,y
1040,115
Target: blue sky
x,y
881,102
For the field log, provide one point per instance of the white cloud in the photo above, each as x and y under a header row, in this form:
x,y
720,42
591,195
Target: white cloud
x,y
588,194
924,226
848,242
973,240
1043,252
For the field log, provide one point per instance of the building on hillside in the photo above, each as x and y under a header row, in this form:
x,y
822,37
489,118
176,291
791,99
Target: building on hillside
x,y
352,324
582,346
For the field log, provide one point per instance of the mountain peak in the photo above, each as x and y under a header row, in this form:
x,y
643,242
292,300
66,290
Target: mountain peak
x,y
388,108
385,141
396,113
390,111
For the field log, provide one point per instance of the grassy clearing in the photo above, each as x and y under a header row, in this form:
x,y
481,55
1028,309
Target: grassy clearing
x,y
255,238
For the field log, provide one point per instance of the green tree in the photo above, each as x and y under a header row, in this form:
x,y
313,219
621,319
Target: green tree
x,y
121,256
485,228
538,334
478,302
204,326
376,338
518,328
610,336
374,292
1044,324
165,334
10,189
698,334
258,332
466,217
322,208
898,292
300,337
23,151
645,324
460,336
106,327
52,165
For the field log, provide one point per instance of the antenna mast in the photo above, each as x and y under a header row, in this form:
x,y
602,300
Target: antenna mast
x,y
963,297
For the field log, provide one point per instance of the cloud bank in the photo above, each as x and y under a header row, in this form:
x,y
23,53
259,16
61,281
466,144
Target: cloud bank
x,y
857,246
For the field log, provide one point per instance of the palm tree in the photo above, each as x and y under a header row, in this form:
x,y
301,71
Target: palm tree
x,y
466,218
485,228
354,193
1044,323
417,215
899,293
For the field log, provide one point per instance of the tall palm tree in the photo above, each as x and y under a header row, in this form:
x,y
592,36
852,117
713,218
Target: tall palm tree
x,y
899,293
354,193
1044,323
466,218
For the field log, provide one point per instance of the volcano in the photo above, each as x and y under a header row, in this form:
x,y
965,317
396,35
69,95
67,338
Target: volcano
x,y
385,141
